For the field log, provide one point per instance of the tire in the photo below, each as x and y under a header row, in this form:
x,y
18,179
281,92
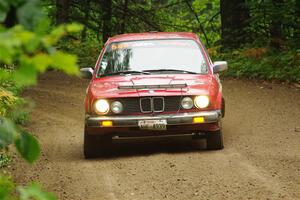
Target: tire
x,y
214,140
223,108
95,145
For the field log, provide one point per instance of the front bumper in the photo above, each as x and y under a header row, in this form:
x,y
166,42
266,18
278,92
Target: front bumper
x,y
172,119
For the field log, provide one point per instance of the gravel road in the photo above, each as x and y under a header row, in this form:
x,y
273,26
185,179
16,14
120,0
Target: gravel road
x,y
261,158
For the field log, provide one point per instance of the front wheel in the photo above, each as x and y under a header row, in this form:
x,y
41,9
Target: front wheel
x,y
223,108
214,140
95,145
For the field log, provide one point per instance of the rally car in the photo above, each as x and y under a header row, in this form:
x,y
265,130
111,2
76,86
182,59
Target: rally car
x,y
153,85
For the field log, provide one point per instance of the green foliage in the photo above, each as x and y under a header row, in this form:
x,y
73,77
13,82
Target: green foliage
x,y
265,13
5,160
28,146
33,53
8,132
26,50
7,101
6,188
30,49
263,63
29,12
8,191
34,191
87,51
12,106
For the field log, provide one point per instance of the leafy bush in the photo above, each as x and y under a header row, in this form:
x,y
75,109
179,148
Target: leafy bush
x,y
6,188
86,51
7,101
8,191
5,159
262,63
31,52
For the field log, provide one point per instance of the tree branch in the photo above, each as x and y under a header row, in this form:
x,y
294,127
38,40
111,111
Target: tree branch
x,y
198,20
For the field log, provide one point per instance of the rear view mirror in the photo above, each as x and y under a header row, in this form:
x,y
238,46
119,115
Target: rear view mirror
x,y
219,66
86,73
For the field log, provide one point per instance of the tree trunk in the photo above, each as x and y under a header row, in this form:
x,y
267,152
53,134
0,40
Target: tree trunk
x,y
11,18
106,19
86,18
277,38
297,22
62,11
123,22
235,19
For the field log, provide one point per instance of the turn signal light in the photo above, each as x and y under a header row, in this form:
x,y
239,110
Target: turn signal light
x,y
198,120
107,123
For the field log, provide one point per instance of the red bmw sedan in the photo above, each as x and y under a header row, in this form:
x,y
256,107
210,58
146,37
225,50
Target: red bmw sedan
x,y
153,85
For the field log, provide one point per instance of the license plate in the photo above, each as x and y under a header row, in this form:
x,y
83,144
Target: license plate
x,y
153,124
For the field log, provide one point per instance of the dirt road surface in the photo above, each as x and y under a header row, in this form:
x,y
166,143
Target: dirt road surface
x,y
261,158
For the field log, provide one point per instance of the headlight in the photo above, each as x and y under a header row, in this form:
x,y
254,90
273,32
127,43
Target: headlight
x,y
116,107
187,103
201,101
101,106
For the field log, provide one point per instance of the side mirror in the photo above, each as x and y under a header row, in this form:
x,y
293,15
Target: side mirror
x,y
86,73
220,66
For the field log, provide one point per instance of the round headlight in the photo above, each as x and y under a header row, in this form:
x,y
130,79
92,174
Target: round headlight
x,y
101,106
201,101
116,107
187,103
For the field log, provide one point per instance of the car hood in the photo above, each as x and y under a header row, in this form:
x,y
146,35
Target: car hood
x,y
150,85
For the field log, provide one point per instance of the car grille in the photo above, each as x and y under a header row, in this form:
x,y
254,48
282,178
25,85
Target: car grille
x,y
158,104
143,104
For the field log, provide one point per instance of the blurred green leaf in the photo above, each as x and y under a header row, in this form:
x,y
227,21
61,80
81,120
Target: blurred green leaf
x,y
5,55
26,75
6,188
29,39
28,147
34,192
54,35
65,62
74,28
4,74
41,62
42,27
7,132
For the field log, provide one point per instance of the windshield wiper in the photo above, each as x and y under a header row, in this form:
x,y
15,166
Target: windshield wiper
x,y
125,72
169,70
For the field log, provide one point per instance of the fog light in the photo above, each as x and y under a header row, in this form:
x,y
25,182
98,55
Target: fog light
x,y
198,120
107,123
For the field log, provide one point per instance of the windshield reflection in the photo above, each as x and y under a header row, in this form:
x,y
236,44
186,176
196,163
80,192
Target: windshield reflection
x,y
153,55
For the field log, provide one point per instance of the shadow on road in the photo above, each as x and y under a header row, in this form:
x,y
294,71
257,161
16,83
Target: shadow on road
x,y
74,152
133,149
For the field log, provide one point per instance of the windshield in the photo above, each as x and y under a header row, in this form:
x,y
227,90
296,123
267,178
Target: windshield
x,y
154,56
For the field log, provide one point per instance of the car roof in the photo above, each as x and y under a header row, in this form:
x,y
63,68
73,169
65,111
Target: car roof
x,y
153,35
